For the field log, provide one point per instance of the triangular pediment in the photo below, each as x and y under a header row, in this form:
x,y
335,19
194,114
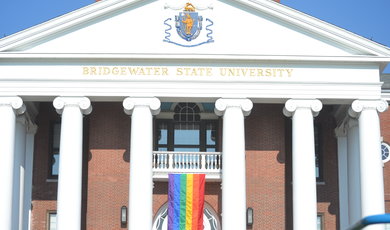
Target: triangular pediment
x,y
229,27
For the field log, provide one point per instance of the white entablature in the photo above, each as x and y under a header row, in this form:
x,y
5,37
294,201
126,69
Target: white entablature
x,y
255,49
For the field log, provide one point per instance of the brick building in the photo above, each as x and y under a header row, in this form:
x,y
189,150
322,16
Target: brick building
x,y
280,110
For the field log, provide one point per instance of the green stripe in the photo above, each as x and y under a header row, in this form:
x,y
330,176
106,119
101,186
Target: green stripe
x,y
183,201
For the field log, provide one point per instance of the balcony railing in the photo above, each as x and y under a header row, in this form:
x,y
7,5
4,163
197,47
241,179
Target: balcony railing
x,y
209,163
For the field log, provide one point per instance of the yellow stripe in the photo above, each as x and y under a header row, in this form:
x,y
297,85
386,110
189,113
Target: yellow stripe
x,y
190,185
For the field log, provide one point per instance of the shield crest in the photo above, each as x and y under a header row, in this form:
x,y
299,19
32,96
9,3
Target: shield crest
x,y
188,25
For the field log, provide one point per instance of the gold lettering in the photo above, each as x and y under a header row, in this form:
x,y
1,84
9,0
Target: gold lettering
x,y
209,72
280,72
222,71
133,71
123,70
268,72
93,71
260,72
164,71
188,71
244,71
106,71
252,72
231,72
85,71
156,71
289,72
179,71
115,70
194,72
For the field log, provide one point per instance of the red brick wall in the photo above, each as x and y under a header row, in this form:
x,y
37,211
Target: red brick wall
x,y
265,162
108,165
385,132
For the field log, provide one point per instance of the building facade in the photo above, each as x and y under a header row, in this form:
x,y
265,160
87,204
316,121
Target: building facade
x,y
284,113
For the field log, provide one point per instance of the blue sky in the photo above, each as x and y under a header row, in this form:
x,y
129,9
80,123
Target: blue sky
x,y
368,18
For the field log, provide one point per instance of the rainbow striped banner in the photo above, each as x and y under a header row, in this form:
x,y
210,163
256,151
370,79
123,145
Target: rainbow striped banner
x,y
186,201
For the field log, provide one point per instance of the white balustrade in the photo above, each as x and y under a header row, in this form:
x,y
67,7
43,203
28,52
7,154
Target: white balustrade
x,y
209,163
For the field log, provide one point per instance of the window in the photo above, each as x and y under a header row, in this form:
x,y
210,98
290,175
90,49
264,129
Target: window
x,y
385,148
186,132
54,154
51,220
320,222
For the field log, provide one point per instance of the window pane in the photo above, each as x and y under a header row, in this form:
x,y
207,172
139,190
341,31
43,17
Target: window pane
x,y
210,134
210,150
162,134
162,149
186,149
186,134
56,164
52,221
319,222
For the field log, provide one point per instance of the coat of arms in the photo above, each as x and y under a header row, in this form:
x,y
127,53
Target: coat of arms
x,y
188,24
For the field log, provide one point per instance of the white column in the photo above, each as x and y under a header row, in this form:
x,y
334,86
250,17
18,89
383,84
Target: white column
x,y
303,161
28,172
233,161
9,108
18,181
141,148
70,167
371,171
353,158
341,135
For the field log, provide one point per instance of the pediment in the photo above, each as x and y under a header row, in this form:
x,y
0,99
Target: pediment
x,y
228,27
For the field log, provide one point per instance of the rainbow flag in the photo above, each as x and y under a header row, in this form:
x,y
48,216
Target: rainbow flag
x,y
186,201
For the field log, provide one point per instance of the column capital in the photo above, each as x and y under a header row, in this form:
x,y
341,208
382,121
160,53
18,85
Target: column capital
x,y
292,105
359,105
83,103
222,104
130,103
15,102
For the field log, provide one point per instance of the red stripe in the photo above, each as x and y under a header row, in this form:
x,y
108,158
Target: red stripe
x,y
198,202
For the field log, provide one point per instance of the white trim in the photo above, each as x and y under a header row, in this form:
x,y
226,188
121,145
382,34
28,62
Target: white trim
x,y
58,57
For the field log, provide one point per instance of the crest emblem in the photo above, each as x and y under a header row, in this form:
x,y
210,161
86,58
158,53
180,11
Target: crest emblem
x,y
188,23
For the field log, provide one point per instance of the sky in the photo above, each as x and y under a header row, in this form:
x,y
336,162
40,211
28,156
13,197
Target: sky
x,y
368,18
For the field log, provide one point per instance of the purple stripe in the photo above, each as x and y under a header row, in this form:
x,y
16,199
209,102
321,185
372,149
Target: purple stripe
x,y
174,202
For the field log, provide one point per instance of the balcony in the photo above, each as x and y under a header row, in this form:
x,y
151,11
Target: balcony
x,y
209,163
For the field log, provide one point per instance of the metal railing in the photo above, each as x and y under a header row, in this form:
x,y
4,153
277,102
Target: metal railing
x,y
371,220
209,163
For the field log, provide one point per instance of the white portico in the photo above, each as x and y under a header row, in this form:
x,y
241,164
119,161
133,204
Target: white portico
x,y
120,51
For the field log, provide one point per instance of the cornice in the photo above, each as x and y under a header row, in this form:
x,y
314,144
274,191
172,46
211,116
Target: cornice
x,y
58,57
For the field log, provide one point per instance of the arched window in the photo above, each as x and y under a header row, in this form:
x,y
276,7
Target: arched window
x,y
186,131
187,113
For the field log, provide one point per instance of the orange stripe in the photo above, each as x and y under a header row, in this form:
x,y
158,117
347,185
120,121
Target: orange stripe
x,y
195,203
